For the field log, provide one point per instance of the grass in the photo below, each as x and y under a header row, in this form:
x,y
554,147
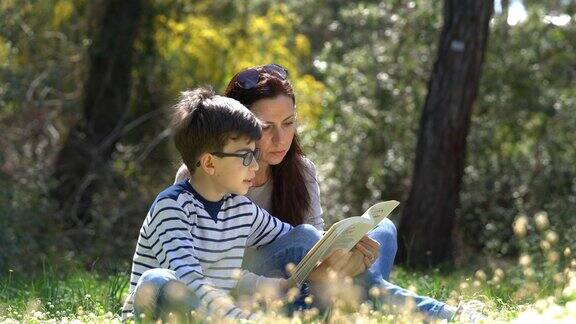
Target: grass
x,y
462,285
539,287
82,296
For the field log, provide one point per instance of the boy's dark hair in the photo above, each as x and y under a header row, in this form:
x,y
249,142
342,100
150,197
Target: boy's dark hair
x,y
204,122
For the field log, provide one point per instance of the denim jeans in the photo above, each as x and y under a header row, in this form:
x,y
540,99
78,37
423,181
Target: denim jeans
x,y
271,260
385,234
159,293
379,273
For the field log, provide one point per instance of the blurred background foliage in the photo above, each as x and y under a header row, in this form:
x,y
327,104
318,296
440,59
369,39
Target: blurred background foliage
x,y
360,70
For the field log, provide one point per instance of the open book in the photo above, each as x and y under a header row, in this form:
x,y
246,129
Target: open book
x,y
342,235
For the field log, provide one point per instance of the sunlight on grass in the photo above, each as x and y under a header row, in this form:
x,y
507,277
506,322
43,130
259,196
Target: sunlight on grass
x,y
539,286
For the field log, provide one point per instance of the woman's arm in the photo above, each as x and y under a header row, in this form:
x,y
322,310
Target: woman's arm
x,y
314,215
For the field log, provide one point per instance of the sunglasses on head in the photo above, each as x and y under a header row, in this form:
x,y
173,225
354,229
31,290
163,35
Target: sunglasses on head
x,y
248,79
247,157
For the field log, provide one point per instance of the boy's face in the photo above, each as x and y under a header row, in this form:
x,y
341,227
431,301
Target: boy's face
x,y
230,173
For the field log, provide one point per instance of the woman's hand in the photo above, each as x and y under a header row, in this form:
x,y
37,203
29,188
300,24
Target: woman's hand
x,y
341,263
355,264
369,248
335,263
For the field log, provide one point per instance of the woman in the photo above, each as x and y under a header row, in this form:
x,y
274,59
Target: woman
x,y
286,185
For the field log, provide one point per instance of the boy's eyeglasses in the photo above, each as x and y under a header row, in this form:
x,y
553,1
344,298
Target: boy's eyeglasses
x,y
248,79
247,157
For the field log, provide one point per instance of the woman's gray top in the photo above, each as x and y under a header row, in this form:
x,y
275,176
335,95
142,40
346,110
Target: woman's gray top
x,y
262,196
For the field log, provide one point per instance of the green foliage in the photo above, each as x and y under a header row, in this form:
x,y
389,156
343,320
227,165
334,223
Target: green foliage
x,y
521,143
377,82
28,231
204,47
41,70
360,70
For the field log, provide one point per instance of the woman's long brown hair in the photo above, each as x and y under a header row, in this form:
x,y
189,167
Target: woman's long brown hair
x,y
290,195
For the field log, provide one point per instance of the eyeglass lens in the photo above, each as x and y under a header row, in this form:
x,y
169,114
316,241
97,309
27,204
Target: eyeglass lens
x,y
250,156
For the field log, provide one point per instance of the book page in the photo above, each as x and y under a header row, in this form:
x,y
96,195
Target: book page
x,y
377,212
306,265
342,235
349,236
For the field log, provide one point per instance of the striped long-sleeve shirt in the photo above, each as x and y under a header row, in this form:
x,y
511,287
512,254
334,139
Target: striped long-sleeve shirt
x,y
205,252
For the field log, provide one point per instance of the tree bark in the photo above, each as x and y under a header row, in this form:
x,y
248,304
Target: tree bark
x,y
428,216
83,158
505,4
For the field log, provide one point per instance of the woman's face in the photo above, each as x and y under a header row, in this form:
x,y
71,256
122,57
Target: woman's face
x,y
278,127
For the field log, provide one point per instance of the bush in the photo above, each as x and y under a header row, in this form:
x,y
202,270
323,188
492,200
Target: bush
x,y
29,231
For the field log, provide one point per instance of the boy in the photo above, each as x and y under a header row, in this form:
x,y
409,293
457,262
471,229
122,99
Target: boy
x,y
192,242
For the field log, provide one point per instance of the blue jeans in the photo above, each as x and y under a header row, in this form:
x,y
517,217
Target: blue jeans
x,y
159,293
379,273
385,234
271,260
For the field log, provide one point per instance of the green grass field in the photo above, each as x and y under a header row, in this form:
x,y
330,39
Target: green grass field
x,y
510,294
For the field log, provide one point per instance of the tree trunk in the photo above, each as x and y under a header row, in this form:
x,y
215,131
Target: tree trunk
x,y
428,216
83,159
505,4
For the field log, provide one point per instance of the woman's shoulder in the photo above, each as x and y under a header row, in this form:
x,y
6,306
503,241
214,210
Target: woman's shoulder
x,y
309,168
314,214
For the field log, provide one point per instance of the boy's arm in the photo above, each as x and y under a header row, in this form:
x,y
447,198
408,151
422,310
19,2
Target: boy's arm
x,y
251,283
172,242
265,228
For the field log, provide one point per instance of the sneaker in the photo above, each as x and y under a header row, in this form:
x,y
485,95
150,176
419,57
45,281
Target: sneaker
x,y
469,312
